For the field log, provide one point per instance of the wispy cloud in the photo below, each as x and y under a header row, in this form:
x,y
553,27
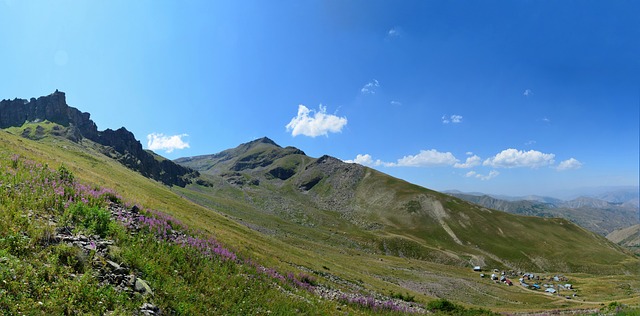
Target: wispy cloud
x,y
315,123
530,142
546,120
452,119
527,93
492,174
513,158
158,141
469,163
396,103
370,87
393,32
569,164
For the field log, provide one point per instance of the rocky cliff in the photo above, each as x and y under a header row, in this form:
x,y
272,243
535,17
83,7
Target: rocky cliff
x,y
120,144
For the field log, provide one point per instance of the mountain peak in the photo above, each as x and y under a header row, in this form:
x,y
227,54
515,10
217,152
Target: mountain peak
x,y
263,140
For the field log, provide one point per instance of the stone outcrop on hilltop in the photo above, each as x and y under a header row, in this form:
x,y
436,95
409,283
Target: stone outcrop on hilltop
x,y
52,107
128,150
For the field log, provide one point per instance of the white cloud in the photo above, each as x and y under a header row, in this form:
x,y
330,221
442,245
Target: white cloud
x,y
370,87
492,174
452,119
319,123
512,158
365,160
529,143
396,103
546,120
569,164
469,163
527,92
158,141
469,153
426,158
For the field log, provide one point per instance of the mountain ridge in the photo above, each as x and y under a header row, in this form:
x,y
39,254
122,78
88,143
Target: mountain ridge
x,y
128,150
596,215
382,213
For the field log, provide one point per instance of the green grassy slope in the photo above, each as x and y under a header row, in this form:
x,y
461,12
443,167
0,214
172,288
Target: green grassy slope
x,y
43,275
341,247
628,237
348,214
493,237
393,216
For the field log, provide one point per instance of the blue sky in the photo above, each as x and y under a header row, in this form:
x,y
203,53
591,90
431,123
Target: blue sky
x,y
504,97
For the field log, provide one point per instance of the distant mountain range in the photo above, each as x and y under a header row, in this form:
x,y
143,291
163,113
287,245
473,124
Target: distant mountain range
x,y
626,195
613,210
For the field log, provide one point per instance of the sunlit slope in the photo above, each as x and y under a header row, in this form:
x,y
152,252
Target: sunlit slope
x,y
283,192
482,236
298,223
627,237
89,165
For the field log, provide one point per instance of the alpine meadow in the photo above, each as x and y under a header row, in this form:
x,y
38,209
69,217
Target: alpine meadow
x,y
319,157
259,228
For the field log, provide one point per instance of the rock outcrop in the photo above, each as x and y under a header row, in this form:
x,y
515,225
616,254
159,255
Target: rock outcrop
x,y
52,107
120,144
117,275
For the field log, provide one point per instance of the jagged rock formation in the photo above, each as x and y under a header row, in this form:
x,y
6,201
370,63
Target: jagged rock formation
x,y
120,144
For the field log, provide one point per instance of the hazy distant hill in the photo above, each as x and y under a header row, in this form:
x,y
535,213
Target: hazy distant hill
x,y
596,215
627,196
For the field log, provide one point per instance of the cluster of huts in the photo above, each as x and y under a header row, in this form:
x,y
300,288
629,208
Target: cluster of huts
x,y
530,281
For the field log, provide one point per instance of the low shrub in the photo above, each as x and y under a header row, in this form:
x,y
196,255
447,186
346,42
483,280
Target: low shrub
x,y
405,297
94,219
72,257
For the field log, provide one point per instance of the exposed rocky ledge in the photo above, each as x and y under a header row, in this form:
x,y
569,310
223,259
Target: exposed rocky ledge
x,y
128,150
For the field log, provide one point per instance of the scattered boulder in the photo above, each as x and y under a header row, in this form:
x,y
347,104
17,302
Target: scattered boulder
x,y
107,271
142,287
149,309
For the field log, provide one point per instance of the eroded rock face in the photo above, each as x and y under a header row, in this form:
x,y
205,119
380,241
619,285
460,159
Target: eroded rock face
x,y
52,107
128,150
